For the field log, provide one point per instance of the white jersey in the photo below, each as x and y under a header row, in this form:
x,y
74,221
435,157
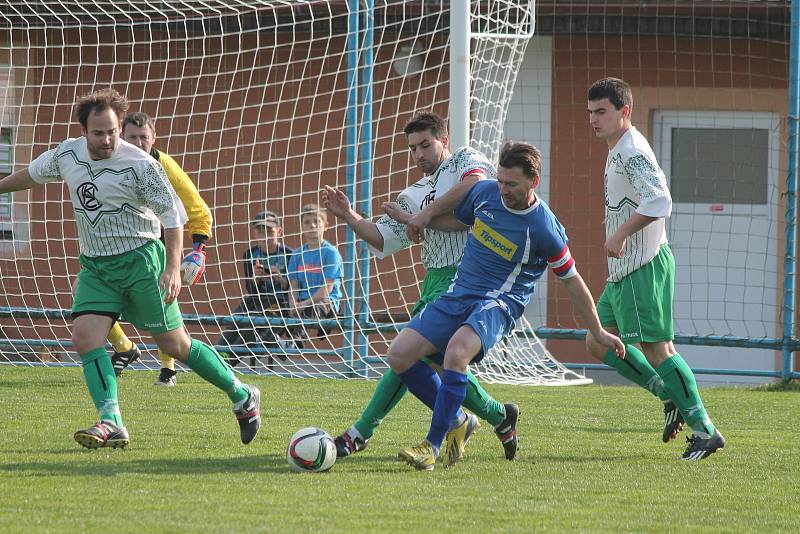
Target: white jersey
x,y
635,183
118,202
439,249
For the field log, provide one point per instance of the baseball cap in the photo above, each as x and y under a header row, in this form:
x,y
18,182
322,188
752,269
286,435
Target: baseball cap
x,y
266,218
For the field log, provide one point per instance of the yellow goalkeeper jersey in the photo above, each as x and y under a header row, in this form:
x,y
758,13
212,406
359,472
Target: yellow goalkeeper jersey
x,y
197,210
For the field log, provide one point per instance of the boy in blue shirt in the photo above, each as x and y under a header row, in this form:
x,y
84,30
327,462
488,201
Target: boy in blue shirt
x,y
315,269
514,238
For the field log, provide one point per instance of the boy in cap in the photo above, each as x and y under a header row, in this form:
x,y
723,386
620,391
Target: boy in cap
x,y
266,285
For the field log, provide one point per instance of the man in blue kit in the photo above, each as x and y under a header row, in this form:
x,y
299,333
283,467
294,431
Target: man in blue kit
x,y
514,238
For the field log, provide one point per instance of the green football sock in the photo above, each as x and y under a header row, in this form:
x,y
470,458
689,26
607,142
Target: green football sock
x,y
638,370
387,394
682,389
479,402
210,366
102,383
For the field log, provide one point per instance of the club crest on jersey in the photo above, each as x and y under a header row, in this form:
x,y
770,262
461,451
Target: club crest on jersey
x,y
87,196
492,240
430,197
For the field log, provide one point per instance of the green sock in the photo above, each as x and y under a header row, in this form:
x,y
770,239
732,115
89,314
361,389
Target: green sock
x,y
638,370
479,402
102,383
210,366
682,389
387,394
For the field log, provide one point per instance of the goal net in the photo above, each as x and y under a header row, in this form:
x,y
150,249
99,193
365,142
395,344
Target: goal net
x,y
262,102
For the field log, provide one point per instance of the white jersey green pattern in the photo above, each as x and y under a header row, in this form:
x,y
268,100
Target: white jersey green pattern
x,y
118,202
635,182
439,249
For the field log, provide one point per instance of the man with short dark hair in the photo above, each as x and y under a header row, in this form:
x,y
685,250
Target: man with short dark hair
x,y
122,198
514,239
428,142
637,300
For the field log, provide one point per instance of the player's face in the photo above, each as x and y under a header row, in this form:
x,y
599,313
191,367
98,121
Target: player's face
x,y
607,121
141,136
516,188
313,227
102,133
427,151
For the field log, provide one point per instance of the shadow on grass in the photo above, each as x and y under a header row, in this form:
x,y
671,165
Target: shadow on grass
x,y
118,464
114,462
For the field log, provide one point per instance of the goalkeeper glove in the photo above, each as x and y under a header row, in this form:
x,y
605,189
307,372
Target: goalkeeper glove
x,y
194,265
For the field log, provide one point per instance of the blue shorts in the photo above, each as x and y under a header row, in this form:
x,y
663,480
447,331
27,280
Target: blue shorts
x,y
438,321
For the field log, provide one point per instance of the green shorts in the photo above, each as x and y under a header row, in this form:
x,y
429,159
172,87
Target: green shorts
x,y
640,305
436,282
127,285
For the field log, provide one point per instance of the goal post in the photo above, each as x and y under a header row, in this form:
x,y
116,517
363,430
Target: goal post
x,y
262,102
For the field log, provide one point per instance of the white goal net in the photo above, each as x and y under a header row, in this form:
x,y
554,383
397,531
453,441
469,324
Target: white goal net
x,y
262,103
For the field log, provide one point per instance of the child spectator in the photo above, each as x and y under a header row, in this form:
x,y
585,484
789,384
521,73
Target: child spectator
x,y
266,286
315,270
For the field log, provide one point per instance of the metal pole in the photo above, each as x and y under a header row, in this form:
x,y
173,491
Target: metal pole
x,y
364,204
351,125
790,261
459,127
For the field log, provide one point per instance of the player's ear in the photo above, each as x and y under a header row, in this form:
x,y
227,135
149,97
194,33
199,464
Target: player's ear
x,y
445,140
536,181
626,112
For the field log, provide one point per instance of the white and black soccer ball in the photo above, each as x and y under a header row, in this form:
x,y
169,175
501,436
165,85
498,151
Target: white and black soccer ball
x,y
311,450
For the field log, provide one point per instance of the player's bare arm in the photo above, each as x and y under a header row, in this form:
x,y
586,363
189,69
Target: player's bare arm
x,y
443,223
337,203
582,300
441,206
615,245
170,281
17,181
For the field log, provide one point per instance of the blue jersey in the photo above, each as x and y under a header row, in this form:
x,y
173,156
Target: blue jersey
x,y
311,267
508,250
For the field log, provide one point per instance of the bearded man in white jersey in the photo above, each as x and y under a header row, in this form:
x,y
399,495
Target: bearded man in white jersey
x,y
427,137
122,197
636,303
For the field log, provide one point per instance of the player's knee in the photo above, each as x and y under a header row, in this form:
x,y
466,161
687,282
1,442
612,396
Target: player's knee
x,y
398,360
86,338
175,343
458,357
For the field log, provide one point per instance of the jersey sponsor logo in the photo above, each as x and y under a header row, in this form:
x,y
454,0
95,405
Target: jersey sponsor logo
x,y
492,240
87,192
489,215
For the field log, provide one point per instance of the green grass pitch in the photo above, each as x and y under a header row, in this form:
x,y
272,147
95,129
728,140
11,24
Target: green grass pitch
x,y
591,460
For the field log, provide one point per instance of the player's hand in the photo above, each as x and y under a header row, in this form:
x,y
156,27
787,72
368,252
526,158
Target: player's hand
x,y
335,201
615,246
416,225
610,341
194,265
392,209
170,284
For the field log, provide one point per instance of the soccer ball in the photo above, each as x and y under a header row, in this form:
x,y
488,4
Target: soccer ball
x,y
311,450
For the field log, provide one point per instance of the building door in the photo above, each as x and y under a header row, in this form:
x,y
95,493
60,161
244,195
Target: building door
x,y
722,167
